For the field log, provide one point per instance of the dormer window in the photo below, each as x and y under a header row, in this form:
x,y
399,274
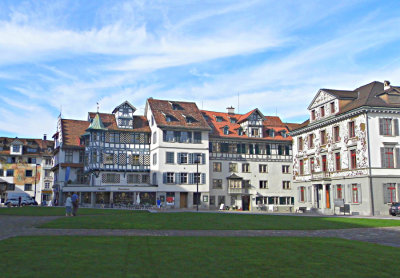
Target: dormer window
x,y
283,133
313,115
16,148
190,119
125,111
169,118
233,120
322,110
219,119
240,131
254,132
176,106
271,133
226,130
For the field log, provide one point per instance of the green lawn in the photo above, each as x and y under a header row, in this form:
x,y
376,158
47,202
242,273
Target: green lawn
x,y
194,257
213,221
54,211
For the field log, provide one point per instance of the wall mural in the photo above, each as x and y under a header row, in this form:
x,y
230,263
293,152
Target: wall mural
x,y
20,172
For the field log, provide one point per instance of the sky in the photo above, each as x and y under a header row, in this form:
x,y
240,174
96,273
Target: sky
x,y
67,56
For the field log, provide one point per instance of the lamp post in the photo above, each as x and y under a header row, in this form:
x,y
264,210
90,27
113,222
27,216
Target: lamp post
x,y
35,180
197,180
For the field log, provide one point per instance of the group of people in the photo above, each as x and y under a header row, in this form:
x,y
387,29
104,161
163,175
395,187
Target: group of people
x,y
71,205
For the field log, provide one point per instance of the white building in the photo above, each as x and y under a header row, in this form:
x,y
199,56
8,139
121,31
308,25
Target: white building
x,y
179,136
349,150
250,161
25,167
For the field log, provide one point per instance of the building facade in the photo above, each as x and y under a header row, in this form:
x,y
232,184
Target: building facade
x,y
179,153
348,151
250,161
25,166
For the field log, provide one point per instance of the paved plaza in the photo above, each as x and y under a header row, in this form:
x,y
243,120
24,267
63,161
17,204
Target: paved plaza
x,y
12,226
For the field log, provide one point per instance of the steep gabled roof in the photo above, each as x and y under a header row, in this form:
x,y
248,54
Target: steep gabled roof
x,y
269,123
97,123
140,123
244,117
72,130
162,108
122,104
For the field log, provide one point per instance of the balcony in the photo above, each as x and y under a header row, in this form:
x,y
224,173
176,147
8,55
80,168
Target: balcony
x,y
239,191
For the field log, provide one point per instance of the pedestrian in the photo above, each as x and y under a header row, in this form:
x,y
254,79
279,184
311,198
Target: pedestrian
x,y
68,206
158,203
75,204
19,201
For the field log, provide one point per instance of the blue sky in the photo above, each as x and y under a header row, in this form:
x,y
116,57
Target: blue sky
x,y
271,55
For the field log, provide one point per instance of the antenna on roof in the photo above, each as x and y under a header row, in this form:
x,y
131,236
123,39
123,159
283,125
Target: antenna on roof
x,y
98,107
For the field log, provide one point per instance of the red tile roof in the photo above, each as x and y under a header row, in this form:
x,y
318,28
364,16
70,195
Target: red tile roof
x,y
270,122
43,145
163,108
72,130
140,123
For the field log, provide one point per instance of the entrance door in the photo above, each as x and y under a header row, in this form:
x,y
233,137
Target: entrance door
x,y
318,194
328,197
183,202
245,202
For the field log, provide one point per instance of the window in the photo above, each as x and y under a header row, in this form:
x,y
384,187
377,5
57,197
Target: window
x,y
268,149
322,110
263,184
313,115
302,194
219,119
46,185
245,167
323,137
286,185
387,157
11,159
254,132
336,136
16,148
337,161
217,166
301,166
312,164
110,178
311,140
339,191
31,150
233,120
355,193
133,178
285,169
353,159
226,130
168,136
183,158
352,132
28,173
31,160
154,137
134,159
28,187
389,193
332,105
263,168
221,200
183,178
300,143
170,157
154,159
10,173
154,179
217,184
190,119
1,172
197,177
69,156
271,133
197,137
170,177
324,164
232,167
146,178
212,200
185,137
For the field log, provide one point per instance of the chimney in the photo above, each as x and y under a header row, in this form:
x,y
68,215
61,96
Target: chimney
x,y
386,85
231,110
44,137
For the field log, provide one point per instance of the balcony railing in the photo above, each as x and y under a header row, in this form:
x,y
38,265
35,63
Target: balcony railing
x,y
243,190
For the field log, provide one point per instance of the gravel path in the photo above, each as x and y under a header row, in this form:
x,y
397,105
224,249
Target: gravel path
x,y
11,226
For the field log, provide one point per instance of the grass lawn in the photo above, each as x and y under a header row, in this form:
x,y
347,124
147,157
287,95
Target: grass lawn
x,y
194,257
54,211
213,221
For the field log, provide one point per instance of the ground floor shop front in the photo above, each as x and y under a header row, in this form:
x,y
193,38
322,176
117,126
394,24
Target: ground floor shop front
x,y
135,197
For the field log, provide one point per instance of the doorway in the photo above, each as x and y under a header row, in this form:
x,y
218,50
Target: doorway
x,y
245,202
183,199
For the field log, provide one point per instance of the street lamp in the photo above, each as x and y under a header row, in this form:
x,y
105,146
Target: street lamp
x,y
197,179
35,180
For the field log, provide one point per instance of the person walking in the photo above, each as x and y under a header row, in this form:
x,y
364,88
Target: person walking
x,y
68,206
19,201
75,203
158,203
